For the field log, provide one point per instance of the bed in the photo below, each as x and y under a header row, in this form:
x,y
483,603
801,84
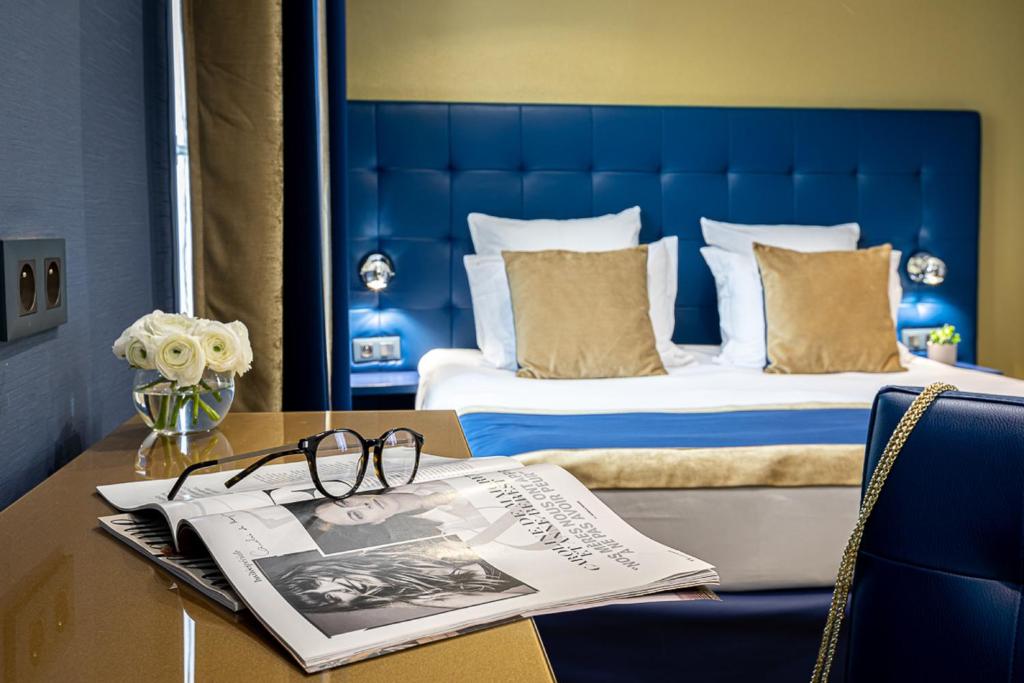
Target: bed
x,y
777,547
775,517
769,526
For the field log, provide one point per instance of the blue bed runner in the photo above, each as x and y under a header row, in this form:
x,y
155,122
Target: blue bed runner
x,y
514,433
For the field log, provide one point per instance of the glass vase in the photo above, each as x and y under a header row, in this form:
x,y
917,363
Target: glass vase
x,y
162,456
167,408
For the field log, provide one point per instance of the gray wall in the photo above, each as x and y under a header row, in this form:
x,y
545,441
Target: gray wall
x,y
83,156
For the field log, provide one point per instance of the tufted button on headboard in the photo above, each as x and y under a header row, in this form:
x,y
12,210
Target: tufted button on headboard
x,y
417,169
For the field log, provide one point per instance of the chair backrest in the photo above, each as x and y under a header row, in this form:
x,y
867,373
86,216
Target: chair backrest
x,y
937,589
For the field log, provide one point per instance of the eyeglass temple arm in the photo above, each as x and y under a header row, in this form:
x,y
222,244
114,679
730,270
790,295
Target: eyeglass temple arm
x,y
210,463
184,475
259,463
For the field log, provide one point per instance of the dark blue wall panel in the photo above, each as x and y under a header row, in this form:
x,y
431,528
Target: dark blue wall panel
x,y
83,156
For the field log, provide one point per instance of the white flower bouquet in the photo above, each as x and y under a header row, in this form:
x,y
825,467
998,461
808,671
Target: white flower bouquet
x,y
185,365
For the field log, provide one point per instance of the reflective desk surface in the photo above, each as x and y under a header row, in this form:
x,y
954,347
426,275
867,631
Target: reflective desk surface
x,y
78,605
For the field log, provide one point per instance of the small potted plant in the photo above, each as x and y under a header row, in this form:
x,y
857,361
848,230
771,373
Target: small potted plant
x,y
185,369
942,344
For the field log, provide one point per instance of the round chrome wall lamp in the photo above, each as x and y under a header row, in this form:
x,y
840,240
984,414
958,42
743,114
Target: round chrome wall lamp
x,y
925,268
376,271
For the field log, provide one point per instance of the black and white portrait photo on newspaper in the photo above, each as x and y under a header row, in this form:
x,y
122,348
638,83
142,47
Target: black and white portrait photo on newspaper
x,y
366,520
387,585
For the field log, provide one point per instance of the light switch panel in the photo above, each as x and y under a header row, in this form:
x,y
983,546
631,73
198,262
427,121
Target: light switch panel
x,y
916,338
390,348
370,349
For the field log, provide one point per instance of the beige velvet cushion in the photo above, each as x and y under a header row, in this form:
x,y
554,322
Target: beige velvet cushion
x,y
828,311
582,315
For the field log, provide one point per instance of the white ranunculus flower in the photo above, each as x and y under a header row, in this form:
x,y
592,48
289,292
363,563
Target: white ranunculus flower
x,y
136,346
180,358
131,332
121,343
244,360
160,324
140,352
220,344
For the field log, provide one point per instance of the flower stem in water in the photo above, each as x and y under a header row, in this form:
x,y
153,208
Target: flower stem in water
x,y
150,385
210,412
204,385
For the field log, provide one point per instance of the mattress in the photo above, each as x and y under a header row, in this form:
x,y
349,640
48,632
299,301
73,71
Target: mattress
x,y
458,379
759,537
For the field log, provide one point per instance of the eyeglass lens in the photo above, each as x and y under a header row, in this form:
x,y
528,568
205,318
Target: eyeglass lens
x,y
398,457
337,462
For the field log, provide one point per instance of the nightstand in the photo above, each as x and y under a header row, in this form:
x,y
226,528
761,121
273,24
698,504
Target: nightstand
x,y
385,390
966,365
979,368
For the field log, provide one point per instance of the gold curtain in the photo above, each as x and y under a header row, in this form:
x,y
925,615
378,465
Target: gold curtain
x,y
233,74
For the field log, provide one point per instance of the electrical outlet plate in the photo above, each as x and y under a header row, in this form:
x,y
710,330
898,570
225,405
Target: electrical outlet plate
x,y
371,349
363,350
33,286
916,338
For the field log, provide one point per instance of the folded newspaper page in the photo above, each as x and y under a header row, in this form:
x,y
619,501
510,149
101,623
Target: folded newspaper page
x,y
485,542
151,537
205,494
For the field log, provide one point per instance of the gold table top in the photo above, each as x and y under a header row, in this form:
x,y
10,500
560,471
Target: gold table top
x,y
78,605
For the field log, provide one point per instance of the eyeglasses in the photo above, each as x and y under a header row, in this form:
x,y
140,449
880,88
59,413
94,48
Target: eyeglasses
x,y
337,460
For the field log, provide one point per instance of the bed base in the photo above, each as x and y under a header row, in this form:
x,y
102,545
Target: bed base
x,y
763,636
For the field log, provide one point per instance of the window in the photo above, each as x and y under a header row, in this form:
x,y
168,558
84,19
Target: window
x,y
181,205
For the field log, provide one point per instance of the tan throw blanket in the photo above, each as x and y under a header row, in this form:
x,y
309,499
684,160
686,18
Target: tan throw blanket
x,y
689,468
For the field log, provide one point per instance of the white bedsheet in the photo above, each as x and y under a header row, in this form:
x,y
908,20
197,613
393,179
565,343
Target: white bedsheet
x,y
458,379
759,538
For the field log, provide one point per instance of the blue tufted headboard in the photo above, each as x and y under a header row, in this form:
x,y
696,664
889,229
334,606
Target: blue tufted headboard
x,y
416,169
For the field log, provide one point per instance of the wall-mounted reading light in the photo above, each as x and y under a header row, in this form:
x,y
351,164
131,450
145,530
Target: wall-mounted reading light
x,y
376,271
927,269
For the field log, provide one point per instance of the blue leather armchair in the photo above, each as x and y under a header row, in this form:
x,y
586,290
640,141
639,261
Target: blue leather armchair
x,y
937,590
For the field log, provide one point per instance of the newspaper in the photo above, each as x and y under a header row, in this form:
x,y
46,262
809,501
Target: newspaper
x,y
151,537
470,544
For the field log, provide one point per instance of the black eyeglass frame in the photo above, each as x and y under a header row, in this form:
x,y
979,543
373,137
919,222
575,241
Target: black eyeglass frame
x,y
308,448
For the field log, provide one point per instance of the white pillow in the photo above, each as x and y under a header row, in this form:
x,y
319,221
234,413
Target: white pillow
x,y
492,310
739,238
741,305
492,305
492,235
662,285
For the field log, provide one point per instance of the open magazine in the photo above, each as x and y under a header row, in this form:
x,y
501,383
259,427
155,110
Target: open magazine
x,y
471,543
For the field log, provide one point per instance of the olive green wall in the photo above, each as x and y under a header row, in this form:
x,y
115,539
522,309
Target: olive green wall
x,y
833,53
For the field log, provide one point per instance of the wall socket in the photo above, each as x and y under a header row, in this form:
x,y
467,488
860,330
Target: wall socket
x,y
916,338
33,286
369,349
